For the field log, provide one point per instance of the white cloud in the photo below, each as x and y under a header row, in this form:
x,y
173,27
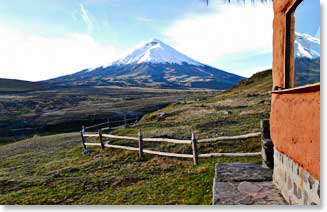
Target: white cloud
x,y
86,18
35,57
229,30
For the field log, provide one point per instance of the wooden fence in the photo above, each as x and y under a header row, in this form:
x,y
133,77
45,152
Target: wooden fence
x,y
193,142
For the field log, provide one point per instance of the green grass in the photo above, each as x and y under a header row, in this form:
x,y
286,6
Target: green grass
x,y
104,177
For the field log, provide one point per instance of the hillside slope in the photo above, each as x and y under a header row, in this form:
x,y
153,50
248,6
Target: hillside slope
x,y
258,83
235,111
12,85
53,170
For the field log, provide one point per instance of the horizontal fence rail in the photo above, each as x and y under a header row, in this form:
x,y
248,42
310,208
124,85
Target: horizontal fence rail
x,y
120,137
124,121
193,142
114,146
168,140
231,138
241,154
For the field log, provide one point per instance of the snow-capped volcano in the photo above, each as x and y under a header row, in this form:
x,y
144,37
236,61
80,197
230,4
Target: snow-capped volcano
x,y
155,52
307,59
306,46
154,64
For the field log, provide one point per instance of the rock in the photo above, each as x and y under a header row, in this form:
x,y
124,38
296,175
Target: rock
x,y
296,191
97,156
55,175
252,95
246,201
260,196
305,198
247,187
162,116
223,187
87,152
226,112
289,183
72,170
249,112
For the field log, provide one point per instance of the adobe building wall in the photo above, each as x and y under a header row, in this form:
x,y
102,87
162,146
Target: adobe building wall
x,y
279,42
294,121
295,132
295,128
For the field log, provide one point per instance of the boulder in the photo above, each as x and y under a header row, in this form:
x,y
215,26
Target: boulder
x,y
87,152
226,112
252,95
162,116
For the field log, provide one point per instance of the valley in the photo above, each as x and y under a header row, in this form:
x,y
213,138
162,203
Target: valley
x,y
49,111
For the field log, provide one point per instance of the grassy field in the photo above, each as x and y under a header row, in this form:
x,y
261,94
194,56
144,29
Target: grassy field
x,y
52,111
53,170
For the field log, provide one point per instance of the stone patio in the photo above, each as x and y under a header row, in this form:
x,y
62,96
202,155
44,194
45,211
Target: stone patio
x,y
244,184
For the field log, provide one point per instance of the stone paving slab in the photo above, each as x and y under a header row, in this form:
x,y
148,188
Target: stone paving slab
x,y
244,184
237,172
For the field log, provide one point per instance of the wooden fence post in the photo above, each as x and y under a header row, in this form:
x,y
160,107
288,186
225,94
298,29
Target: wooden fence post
x,y
100,136
195,150
267,147
140,144
265,129
83,138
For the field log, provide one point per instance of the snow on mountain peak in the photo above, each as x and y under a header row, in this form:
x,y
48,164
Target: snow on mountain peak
x,y
306,46
155,51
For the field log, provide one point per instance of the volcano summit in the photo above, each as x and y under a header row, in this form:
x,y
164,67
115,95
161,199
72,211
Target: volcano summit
x,y
155,65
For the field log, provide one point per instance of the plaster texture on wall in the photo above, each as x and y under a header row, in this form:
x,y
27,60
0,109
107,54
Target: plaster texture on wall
x,y
295,128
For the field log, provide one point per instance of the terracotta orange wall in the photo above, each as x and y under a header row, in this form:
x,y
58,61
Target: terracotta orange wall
x,y
295,128
295,117
279,42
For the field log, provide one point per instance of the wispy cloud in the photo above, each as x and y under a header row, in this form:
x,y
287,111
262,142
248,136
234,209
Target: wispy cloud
x,y
35,57
227,31
86,18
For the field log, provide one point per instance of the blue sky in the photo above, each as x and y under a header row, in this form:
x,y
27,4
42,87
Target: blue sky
x,y
308,17
42,39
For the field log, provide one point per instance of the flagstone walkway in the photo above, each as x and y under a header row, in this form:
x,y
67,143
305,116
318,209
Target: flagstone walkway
x,y
244,184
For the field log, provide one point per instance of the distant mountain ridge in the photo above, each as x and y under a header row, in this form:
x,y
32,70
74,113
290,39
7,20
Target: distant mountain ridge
x,y
13,85
307,59
155,65
306,46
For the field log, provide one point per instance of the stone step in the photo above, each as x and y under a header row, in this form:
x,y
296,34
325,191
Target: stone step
x,y
244,184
